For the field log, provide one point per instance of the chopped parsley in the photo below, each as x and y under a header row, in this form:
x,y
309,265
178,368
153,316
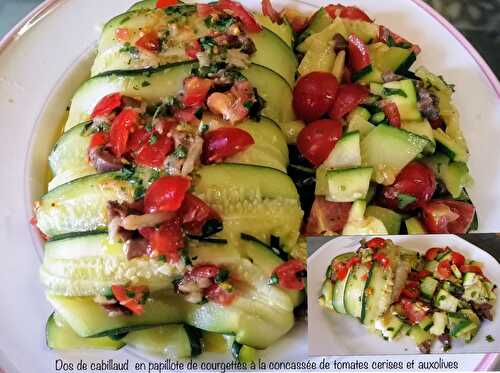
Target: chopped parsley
x,y
203,128
220,23
153,139
199,113
180,152
145,84
183,10
274,280
405,200
207,43
129,48
490,338
222,276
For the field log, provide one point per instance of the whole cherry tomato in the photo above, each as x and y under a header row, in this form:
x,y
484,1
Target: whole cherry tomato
x,y
318,138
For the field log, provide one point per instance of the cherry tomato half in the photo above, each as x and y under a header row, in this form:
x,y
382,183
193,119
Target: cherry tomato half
x,y
447,216
166,194
414,186
196,91
444,268
165,3
150,42
107,104
349,12
269,11
471,268
166,240
219,295
340,270
317,139
98,139
327,217
122,126
413,311
249,22
314,94
457,259
359,56
204,271
433,252
224,142
287,274
153,154
195,214
376,242
348,97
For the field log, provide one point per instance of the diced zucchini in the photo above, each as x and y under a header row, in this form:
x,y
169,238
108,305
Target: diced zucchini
x,y
455,177
431,266
388,150
339,65
390,218
423,129
440,320
377,117
445,301
319,21
360,124
321,188
348,185
376,89
428,287
404,95
419,335
319,57
291,130
414,226
361,111
242,353
346,153
456,271
390,326
426,323
357,223
452,148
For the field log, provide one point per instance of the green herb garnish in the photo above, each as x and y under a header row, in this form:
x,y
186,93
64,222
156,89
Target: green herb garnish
x,y
222,276
405,200
394,92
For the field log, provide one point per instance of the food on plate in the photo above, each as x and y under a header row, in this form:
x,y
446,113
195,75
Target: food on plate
x,y
375,135
397,292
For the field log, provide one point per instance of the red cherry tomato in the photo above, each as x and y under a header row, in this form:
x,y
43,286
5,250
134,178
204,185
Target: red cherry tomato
x,y
382,259
122,34
447,216
166,194
154,154
193,49
314,94
269,11
471,268
165,3
287,274
196,91
423,273
166,240
249,22
195,214
433,252
327,217
348,97
224,142
349,12
413,187
219,295
204,271
107,104
317,139
340,270
457,259
98,139
150,42
138,138
444,268
359,56
411,290
376,242
413,311
391,111
122,126
384,34
353,261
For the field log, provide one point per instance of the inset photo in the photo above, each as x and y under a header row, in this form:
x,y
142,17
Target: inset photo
x,y
372,295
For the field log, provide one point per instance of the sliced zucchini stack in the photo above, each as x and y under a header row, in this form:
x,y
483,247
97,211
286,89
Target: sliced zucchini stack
x,y
396,292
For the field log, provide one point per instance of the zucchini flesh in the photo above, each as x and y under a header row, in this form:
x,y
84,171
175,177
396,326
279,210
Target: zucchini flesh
x,y
353,294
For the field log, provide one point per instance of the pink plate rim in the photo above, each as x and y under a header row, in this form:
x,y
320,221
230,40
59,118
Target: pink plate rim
x,y
48,6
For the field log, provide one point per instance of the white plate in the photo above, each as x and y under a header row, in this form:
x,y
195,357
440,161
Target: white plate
x,y
48,46
333,334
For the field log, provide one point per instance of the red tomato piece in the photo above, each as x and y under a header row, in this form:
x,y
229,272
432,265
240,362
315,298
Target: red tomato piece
x,y
413,311
205,10
348,97
287,274
314,94
447,216
224,142
165,3
195,213
411,290
327,217
204,271
107,105
317,139
359,56
166,240
192,49
122,126
457,259
340,270
122,34
196,91
382,259
166,194
391,111
269,11
120,293
98,139
137,139
376,242
153,155
471,268
219,295
353,261
249,22
149,41
422,274
444,268
433,252
349,12
416,181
